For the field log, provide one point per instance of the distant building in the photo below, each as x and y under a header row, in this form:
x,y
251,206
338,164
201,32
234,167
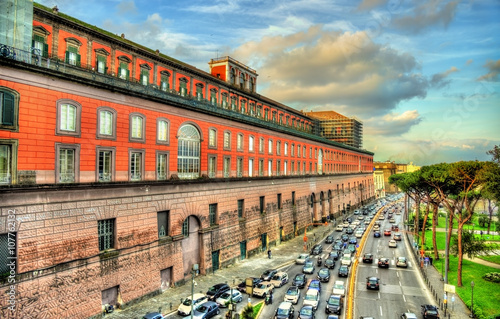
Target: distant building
x,y
390,168
378,179
339,128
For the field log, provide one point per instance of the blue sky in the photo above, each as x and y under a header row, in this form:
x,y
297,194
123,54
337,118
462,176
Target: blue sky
x,y
422,76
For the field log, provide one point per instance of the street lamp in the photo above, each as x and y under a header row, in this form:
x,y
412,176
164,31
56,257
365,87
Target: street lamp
x,y
472,299
193,273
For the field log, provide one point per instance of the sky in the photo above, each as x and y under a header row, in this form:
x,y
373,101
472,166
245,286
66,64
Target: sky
x,y
422,76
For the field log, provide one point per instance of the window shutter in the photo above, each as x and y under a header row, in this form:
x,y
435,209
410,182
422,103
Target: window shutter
x,y
78,58
67,57
8,109
45,52
128,74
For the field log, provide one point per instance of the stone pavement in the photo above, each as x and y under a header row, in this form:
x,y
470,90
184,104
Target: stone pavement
x,y
282,255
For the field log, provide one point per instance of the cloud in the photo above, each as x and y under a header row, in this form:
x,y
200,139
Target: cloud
x,y
320,69
426,15
393,124
493,68
439,80
370,4
125,7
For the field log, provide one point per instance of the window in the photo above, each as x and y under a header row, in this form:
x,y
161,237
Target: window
x,y
188,152
261,145
212,214
261,167
251,143
106,123
213,97
242,81
298,150
185,227
8,161
8,250
161,166
285,168
286,149
243,106
106,234
101,64
38,43
227,166
270,167
224,100
105,164
72,55
199,91
68,118
270,146
183,86
293,198
164,81
123,71
292,150
136,165
239,142
137,127
310,152
234,104
304,152
162,131
212,138
280,204
67,163
227,140
162,218
9,109
212,166
278,168
239,167
241,207
278,147
262,203
250,167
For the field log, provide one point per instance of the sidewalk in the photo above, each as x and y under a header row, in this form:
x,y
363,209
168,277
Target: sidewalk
x,y
434,281
169,301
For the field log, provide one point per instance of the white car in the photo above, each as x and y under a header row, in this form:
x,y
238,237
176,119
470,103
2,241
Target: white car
x,y
262,289
302,259
311,298
339,288
392,243
185,307
346,260
279,279
359,234
226,298
339,228
292,295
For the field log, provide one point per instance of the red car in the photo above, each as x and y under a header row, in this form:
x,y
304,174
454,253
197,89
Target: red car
x,y
387,232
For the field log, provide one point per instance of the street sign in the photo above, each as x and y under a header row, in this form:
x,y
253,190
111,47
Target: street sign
x,y
449,288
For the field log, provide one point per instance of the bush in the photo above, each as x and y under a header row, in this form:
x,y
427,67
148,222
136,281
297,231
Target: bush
x,y
492,276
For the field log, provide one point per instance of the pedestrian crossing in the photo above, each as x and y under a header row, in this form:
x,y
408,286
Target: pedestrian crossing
x,y
375,262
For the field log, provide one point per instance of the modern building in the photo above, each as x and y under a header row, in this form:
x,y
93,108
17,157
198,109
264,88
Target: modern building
x,y
122,167
339,128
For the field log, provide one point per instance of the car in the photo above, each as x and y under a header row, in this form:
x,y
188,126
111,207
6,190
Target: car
x,y
263,289
376,234
395,227
155,315
311,298
306,312
317,249
344,237
314,284
242,286
339,228
324,275
285,311
359,233
392,220
353,240
334,304
338,246
381,217
330,263
356,212
268,274
185,307
397,237
349,231
360,218
279,279
366,222
301,259
299,281
351,248
232,296
338,288
308,267
343,271
383,262
346,260
334,254
346,224
373,283
216,291
387,232
368,258
408,315
206,310
376,227
349,220
292,295
393,243
402,262
329,239
429,311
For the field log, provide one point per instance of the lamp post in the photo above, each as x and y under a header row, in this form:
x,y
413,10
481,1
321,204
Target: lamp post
x,y
193,273
472,300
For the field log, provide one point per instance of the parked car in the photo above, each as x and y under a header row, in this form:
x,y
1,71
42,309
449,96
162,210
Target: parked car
x,y
216,291
317,249
402,262
324,275
393,243
338,288
302,259
311,298
330,263
279,279
263,289
372,283
343,271
292,294
185,307
429,311
306,312
268,274
368,258
299,280
383,262
154,315
206,310
285,311
409,315
308,267
329,239
232,296
334,304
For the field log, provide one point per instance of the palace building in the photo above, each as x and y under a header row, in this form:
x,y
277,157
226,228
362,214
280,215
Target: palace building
x,y
122,167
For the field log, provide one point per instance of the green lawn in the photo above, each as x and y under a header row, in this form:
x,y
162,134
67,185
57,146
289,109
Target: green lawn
x,y
491,258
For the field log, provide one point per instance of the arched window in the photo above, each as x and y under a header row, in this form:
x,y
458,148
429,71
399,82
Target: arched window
x,y
188,155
